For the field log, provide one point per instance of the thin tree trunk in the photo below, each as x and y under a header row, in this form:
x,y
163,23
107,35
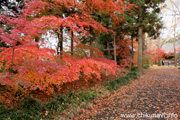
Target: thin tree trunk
x,y
91,51
174,44
61,40
115,59
91,43
159,62
175,57
140,55
58,45
144,47
132,51
158,38
37,39
108,49
72,41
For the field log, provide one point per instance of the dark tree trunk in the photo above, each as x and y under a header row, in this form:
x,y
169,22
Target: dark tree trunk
x,y
59,47
61,41
37,39
72,43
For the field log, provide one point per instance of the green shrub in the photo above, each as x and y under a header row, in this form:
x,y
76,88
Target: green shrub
x,y
133,74
145,65
53,105
63,98
29,109
3,110
123,72
87,95
114,84
133,69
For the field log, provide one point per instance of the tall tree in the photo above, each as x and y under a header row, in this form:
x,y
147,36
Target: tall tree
x,y
146,16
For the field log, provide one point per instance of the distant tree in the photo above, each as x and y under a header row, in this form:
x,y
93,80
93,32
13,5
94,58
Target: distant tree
x,y
175,12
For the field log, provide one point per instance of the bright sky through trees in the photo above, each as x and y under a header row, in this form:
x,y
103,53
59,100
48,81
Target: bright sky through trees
x,y
168,17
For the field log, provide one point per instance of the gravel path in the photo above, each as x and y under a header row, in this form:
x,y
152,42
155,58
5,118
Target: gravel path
x,y
155,95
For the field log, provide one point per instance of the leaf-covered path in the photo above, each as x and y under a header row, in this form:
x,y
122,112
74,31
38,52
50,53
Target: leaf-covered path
x,y
155,93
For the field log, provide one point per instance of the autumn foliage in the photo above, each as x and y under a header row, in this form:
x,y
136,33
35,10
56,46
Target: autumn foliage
x,y
28,67
154,55
40,70
124,52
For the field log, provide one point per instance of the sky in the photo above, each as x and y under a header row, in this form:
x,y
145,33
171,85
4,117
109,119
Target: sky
x,y
170,19
169,47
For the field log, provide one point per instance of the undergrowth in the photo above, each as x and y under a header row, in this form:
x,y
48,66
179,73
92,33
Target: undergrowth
x,y
124,80
33,109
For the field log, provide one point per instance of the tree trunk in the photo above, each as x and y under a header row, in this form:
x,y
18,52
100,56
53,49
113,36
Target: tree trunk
x,y
61,41
37,39
108,49
159,46
159,62
140,56
91,51
175,57
132,52
72,41
115,59
59,47
144,45
174,44
91,43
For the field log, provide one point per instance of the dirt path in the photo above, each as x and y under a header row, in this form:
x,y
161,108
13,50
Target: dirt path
x,y
155,93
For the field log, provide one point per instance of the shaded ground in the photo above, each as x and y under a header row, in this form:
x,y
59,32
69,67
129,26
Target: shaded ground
x,y
156,92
